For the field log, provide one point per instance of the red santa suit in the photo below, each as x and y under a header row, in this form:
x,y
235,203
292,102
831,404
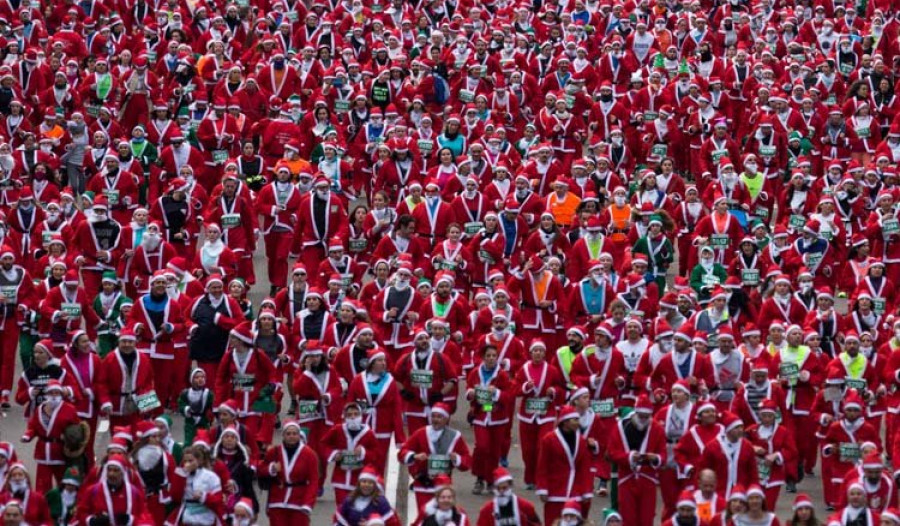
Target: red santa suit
x,y
280,212
394,330
319,400
78,308
420,398
382,412
242,379
564,472
446,444
99,499
312,240
775,440
293,493
48,452
160,341
118,387
841,444
541,387
534,287
675,422
629,447
733,463
338,440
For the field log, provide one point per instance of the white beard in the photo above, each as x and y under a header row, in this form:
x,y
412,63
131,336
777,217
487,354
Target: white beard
x,y
148,457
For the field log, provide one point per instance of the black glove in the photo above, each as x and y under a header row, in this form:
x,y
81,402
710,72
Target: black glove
x,y
99,520
434,398
123,519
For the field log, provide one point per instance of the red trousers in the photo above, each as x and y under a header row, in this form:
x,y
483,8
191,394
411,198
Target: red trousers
x,y
288,517
486,457
529,437
805,426
157,510
278,248
48,475
772,496
890,424
164,380
182,375
9,342
383,446
245,267
637,501
669,488
92,280
211,369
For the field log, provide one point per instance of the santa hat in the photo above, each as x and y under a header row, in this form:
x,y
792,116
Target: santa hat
x,y
738,493
441,409
643,405
802,500
682,385
730,421
572,507
581,391
892,514
768,405
502,475
851,400
578,330
368,473
756,489
243,332
246,504
567,412
686,499
145,429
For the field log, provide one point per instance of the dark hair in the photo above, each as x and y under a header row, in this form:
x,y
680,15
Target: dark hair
x,y
405,220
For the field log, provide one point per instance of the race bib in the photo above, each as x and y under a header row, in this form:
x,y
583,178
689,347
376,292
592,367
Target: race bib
x,y
425,146
358,245
854,383
9,291
231,220
73,310
863,133
750,277
798,221
439,465
767,151
342,106
307,408
93,110
890,226
112,196
789,371
650,116
764,470
719,240
710,280
878,306
466,95
422,378
537,406
147,402
483,397
219,156
473,227
604,408
46,237
849,452
244,382
762,212
659,150
718,154
350,461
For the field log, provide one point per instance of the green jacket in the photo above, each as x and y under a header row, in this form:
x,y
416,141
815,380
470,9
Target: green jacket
x,y
701,287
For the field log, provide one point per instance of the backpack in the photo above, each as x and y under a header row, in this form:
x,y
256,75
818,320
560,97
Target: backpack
x,y
441,89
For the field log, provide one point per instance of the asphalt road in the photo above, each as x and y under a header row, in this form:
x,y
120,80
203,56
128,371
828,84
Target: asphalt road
x,y
14,425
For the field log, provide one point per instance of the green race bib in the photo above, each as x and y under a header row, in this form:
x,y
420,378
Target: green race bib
x,y
473,227
719,240
789,371
73,310
750,277
307,408
890,226
859,385
798,221
604,408
342,106
466,95
350,461
112,196
231,220
358,245
439,465
147,402
659,150
422,378
219,156
849,452
9,291
483,397
767,151
244,382
537,406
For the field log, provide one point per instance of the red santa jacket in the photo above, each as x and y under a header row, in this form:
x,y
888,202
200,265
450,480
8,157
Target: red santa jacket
x,y
88,399
338,440
742,467
563,474
114,390
384,411
419,397
780,442
49,448
296,484
419,442
243,382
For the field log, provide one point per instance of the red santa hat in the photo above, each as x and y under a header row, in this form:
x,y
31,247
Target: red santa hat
x,y
730,421
756,489
243,332
578,330
686,500
643,405
572,507
682,385
663,329
502,475
768,405
802,500
892,514
852,400
441,409
873,461
145,429
567,412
